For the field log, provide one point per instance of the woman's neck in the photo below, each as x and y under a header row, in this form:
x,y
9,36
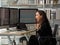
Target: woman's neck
x,y
38,25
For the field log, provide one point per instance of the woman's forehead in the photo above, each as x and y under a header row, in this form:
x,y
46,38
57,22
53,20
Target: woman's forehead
x,y
37,12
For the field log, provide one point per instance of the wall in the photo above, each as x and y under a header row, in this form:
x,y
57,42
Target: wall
x,y
58,14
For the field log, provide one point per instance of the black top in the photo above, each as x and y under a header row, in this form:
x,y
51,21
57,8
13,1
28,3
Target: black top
x,y
45,30
44,37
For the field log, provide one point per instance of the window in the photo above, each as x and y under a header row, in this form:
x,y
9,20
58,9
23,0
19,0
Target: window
x,y
27,15
14,16
4,16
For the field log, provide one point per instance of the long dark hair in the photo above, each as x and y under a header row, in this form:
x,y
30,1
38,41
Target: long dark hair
x,y
45,19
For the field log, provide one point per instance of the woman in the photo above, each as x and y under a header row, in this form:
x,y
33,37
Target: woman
x,y
43,29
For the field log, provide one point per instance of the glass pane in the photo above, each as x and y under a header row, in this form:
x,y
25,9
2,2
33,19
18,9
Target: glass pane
x,y
4,16
27,15
14,16
31,1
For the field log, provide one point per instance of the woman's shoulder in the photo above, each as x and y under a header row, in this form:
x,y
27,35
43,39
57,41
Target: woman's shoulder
x,y
45,24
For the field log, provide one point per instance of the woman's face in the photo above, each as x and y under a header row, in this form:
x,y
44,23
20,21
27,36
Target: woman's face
x,y
38,17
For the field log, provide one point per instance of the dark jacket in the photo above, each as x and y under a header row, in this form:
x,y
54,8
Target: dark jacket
x,y
45,30
44,36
